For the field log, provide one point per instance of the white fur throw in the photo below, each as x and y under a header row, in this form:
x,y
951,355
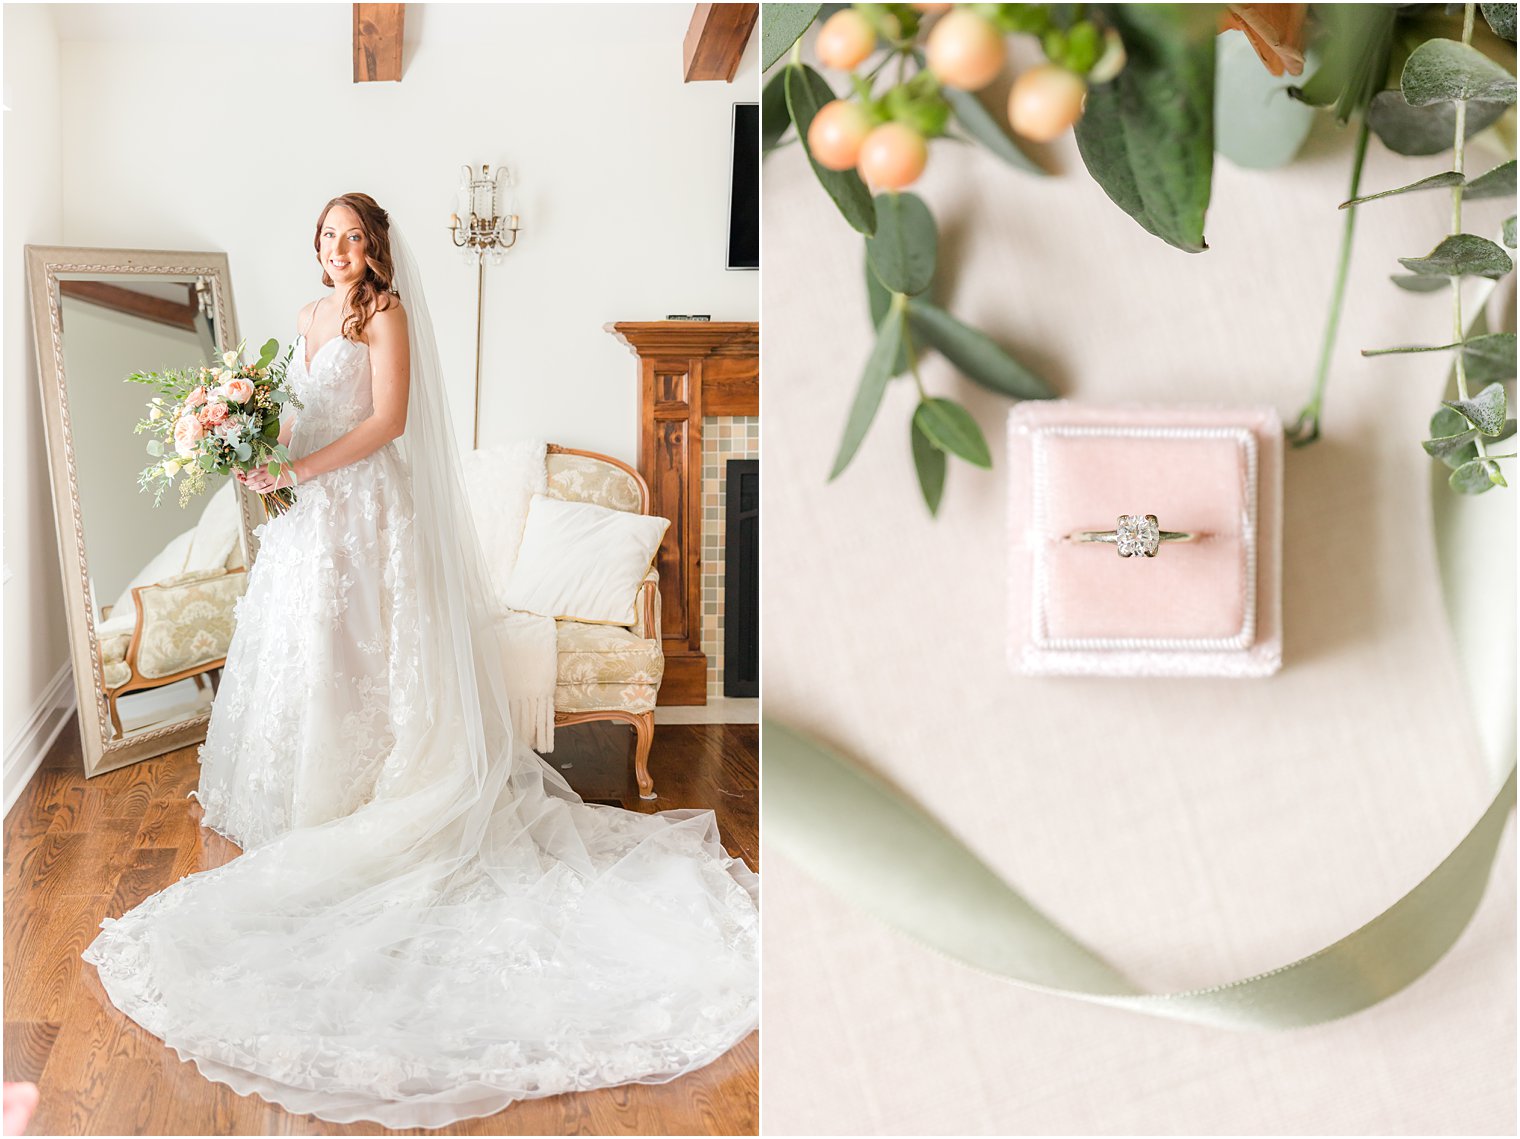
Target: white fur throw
x,y
502,481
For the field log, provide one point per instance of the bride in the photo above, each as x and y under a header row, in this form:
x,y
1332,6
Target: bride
x,y
426,923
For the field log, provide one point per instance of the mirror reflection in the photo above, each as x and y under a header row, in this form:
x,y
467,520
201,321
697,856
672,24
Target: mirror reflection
x,y
162,580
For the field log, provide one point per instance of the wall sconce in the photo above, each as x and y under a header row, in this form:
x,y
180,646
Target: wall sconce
x,y
478,231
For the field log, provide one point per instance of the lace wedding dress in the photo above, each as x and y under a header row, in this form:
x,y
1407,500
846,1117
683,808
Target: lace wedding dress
x,y
426,923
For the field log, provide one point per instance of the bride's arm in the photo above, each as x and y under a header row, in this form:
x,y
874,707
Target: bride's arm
x,y
390,363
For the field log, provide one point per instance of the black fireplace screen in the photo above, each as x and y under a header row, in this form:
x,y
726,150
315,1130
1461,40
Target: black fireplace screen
x,y
741,589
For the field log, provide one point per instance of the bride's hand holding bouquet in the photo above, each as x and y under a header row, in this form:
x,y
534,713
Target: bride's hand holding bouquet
x,y
222,419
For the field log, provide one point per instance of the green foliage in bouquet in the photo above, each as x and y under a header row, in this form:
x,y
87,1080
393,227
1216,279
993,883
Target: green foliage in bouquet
x,y
216,419
1151,93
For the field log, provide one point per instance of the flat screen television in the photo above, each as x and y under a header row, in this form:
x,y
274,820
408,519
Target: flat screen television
x,y
744,189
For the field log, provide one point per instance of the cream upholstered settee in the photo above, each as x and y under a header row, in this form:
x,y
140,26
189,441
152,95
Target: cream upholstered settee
x,y
608,672
175,619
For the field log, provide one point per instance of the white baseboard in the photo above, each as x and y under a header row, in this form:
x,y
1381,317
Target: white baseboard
x,y
25,751
717,710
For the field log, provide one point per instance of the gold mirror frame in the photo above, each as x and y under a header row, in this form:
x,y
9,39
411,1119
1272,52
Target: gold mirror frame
x,y
101,751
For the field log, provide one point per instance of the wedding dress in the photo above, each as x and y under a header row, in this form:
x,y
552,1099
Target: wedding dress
x,y
426,923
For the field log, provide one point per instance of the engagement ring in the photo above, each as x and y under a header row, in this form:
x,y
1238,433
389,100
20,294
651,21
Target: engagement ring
x,y
1137,534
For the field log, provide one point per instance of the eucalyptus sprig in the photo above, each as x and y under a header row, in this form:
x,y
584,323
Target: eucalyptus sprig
x,y
1452,75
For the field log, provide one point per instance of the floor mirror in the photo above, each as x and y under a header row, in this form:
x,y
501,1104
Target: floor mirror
x,y
150,591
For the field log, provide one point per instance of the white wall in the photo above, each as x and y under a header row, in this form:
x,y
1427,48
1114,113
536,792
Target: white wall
x,y
193,135
32,618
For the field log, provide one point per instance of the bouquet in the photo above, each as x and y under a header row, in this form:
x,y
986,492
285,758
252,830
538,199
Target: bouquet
x,y
217,420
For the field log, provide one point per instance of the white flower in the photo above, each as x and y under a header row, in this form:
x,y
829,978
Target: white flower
x,y
171,467
230,359
155,413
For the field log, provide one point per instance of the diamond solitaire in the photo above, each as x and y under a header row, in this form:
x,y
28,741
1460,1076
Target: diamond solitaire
x,y
1138,535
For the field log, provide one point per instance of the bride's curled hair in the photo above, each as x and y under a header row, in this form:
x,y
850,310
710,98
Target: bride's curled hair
x,y
380,269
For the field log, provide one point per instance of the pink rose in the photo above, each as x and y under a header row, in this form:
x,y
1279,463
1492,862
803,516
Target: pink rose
x,y
187,433
196,397
237,390
214,412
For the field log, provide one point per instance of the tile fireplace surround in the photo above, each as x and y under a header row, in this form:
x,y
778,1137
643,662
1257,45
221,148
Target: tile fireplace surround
x,y
687,370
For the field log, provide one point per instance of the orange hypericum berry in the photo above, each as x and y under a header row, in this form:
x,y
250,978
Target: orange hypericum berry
x,y
893,156
836,134
844,40
965,51
1044,101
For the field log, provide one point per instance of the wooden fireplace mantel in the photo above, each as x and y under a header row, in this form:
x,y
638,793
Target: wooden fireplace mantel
x,y
687,369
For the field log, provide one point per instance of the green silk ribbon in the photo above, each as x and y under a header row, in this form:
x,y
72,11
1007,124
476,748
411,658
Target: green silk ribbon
x,y
862,838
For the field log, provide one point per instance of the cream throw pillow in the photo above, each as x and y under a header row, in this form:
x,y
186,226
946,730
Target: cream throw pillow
x,y
583,562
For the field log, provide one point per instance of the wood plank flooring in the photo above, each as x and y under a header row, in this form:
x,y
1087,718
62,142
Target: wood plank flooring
x,y
77,851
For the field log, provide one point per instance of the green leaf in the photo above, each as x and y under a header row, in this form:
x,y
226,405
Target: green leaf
x,y
780,27
949,427
1434,182
156,447
1443,71
903,250
973,353
1417,131
1485,411
1497,183
244,452
880,300
267,353
271,427
775,118
1417,284
1356,41
929,461
1404,350
1509,231
1257,124
1500,17
273,469
1453,450
1488,358
806,91
1147,136
207,462
1476,476
1461,255
278,396
873,384
982,127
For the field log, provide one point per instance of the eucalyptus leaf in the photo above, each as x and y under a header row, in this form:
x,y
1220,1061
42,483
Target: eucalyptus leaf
x,y
273,469
775,118
973,353
1443,71
1485,411
244,452
1406,349
1475,476
781,25
271,427
1418,284
278,396
1497,183
930,464
1147,136
1461,255
903,250
156,447
982,127
267,353
1500,17
806,91
1488,358
207,462
1509,231
879,297
873,384
949,427
1434,182
1418,131
1451,439
1257,124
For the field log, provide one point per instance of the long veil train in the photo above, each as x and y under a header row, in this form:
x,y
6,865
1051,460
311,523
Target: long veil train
x,y
473,935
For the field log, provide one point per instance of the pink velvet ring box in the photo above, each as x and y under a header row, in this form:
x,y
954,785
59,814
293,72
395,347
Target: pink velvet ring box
x,y
1209,607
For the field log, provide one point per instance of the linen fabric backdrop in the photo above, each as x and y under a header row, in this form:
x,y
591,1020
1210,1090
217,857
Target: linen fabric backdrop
x,y
1191,831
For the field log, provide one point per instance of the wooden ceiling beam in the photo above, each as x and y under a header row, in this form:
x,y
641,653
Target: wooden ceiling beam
x,y
715,40
129,301
377,42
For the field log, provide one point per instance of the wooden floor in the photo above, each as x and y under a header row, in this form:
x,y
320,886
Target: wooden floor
x,y
77,851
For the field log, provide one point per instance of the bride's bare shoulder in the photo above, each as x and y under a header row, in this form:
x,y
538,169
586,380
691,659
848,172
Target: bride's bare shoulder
x,y
390,315
303,318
